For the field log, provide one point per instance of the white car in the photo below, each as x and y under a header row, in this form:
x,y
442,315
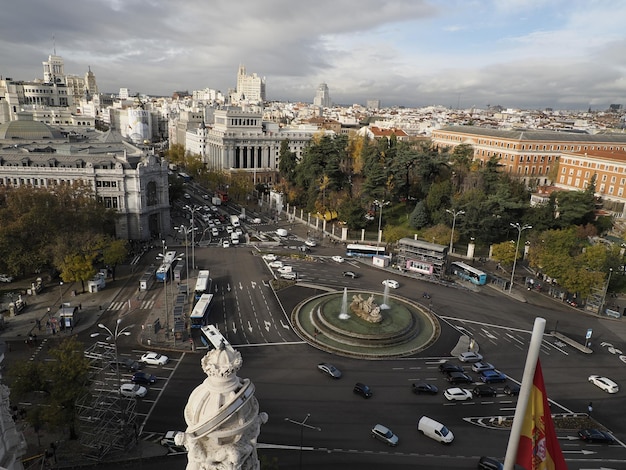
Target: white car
x,y
391,283
270,257
604,383
226,244
154,359
310,242
6,278
470,356
229,229
276,264
285,269
457,394
338,259
481,366
133,391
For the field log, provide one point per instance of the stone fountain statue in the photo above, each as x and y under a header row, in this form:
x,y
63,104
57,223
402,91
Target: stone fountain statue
x,y
222,415
368,310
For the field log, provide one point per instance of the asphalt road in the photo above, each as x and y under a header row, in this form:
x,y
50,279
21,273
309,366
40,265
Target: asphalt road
x,y
288,384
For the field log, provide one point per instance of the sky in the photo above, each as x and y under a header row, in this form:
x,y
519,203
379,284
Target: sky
x,y
528,54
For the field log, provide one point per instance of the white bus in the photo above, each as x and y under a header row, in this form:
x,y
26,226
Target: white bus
x,y
201,311
364,251
212,338
202,283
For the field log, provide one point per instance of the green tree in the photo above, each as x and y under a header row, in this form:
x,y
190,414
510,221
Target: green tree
x,y
287,162
419,217
504,252
114,252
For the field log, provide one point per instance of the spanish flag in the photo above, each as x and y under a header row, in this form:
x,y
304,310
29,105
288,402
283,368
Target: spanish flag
x,y
538,445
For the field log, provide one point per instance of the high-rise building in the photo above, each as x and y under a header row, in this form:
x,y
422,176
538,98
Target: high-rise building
x,y
53,70
250,88
322,97
373,104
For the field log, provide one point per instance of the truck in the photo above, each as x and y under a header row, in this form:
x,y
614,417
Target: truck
x,y
216,201
234,220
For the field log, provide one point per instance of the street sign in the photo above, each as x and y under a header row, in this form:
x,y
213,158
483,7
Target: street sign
x,y
589,331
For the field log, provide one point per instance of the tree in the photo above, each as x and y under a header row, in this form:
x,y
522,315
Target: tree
x,y
287,162
114,252
419,218
58,384
439,233
504,252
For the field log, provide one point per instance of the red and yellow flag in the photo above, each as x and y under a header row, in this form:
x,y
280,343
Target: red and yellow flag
x,y
538,445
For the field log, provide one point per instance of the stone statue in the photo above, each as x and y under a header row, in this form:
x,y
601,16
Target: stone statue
x,y
222,415
368,310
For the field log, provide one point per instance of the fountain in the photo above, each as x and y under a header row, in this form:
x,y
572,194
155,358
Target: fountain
x,y
385,304
343,315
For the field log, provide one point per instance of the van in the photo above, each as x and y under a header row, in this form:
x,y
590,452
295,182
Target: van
x,y
281,232
435,430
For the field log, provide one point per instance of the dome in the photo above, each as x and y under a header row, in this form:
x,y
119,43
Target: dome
x,y
28,130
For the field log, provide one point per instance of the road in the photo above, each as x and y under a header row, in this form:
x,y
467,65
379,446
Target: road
x,y
288,384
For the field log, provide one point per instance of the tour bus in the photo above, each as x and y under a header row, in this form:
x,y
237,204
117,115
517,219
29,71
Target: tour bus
x,y
364,251
469,273
201,311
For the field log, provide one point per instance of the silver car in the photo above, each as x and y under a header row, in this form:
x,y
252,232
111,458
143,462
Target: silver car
x,y
383,433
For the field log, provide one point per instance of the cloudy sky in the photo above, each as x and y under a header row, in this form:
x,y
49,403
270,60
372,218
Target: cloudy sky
x,y
565,54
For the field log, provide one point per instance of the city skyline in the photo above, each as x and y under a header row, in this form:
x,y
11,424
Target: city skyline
x,y
455,53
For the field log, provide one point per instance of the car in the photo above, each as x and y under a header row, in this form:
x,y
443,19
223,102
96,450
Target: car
x,y
290,276
143,378
596,435
391,283
270,257
492,376
484,390
215,232
351,274
604,383
310,242
133,391
154,359
6,278
457,394
459,378
329,369
481,366
383,433
168,439
187,196
511,390
470,356
225,244
276,264
229,229
447,367
419,388
256,220
362,389
285,269
489,463
337,259
125,364
238,231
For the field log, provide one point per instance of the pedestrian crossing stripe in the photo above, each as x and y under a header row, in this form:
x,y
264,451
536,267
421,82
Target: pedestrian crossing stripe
x,y
145,305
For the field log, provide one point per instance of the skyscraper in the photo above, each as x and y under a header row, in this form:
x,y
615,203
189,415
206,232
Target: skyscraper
x,y
322,97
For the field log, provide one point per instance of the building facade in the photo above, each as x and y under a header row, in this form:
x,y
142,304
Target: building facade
x,y
322,96
122,176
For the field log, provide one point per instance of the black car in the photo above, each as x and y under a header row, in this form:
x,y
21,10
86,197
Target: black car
x,y
484,391
446,368
595,435
512,390
351,274
489,463
424,388
125,364
459,378
143,378
362,389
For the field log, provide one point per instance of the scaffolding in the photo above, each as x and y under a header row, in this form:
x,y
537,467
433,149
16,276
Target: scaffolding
x,y
107,421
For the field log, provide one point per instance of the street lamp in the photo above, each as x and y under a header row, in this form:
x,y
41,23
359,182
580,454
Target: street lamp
x,y
454,214
186,230
606,289
166,275
520,229
61,292
114,335
193,210
303,425
380,205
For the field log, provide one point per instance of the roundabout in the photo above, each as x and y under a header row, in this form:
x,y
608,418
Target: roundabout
x,y
366,325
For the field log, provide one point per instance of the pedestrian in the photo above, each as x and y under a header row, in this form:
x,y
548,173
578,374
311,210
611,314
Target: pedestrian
x,y
589,409
80,306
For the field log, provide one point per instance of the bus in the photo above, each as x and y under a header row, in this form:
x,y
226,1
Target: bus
x,y
184,176
201,311
212,338
469,273
364,251
202,284
223,195
166,264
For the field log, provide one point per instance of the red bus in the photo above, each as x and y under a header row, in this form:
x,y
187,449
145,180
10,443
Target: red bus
x,y
223,195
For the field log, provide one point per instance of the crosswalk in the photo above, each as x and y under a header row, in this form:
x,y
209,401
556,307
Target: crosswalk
x,y
120,305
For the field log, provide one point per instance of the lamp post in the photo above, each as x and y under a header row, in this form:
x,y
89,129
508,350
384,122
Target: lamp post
x,y
166,275
454,214
380,205
61,292
606,289
303,425
114,335
520,229
186,231
193,210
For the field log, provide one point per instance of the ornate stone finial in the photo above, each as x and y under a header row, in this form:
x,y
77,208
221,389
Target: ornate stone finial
x,y
222,362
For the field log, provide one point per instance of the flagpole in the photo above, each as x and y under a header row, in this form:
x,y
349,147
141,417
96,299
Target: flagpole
x,y
524,393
